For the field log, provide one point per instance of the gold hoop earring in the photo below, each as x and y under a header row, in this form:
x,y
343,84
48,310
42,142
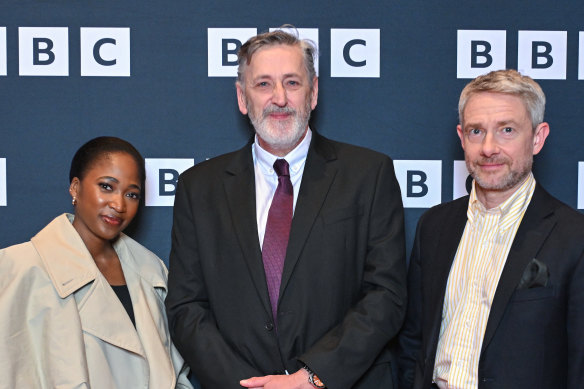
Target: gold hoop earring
x,y
74,201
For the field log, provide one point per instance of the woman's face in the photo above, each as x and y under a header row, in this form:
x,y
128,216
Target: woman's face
x,y
107,198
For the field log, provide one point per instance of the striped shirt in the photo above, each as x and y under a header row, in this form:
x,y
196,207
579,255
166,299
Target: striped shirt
x,y
474,275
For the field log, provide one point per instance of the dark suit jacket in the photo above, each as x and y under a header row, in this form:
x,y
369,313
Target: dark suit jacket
x,y
534,337
343,292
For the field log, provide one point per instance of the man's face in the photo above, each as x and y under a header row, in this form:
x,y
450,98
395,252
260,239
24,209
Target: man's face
x,y
499,141
277,97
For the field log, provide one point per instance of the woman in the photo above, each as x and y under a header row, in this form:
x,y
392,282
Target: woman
x,y
82,304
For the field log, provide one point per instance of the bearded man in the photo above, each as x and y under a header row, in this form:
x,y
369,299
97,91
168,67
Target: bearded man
x,y
496,279
287,267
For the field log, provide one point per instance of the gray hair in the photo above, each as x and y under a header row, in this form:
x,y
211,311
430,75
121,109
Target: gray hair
x,y
277,37
508,82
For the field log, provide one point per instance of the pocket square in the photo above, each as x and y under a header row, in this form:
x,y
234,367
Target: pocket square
x,y
536,274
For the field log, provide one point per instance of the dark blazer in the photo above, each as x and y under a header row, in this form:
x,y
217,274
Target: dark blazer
x,y
534,336
343,291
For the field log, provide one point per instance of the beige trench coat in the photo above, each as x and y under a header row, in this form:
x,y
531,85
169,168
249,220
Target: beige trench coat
x,y
62,325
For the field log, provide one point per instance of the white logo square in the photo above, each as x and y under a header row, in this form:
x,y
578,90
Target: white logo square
x,y
3,67
355,53
3,201
222,47
43,51
461,180
161,179
580,185
542,54
581,56
420,182
105,51
479,52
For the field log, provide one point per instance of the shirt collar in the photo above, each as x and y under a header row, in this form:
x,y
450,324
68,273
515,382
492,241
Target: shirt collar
x,y
295,158
510,210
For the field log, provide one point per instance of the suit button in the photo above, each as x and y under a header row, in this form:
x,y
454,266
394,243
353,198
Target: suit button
x,y
269,326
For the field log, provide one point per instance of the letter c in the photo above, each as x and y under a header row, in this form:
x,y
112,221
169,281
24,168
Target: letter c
x,y
96,55
347,53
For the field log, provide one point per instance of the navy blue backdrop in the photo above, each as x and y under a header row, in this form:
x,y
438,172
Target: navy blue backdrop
x,y
158,89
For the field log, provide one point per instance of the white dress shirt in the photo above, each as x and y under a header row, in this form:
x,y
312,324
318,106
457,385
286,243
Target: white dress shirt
x,y
266,179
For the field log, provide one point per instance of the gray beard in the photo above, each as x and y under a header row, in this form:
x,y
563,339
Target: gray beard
x,y
285,135
513,178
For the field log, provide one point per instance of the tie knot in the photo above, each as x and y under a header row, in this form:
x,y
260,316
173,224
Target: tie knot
x,y
281,167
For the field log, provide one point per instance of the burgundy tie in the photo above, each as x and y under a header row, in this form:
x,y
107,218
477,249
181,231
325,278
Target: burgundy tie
x,y
278,232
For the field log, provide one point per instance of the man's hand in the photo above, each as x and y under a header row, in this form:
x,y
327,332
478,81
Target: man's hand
x,y
298,380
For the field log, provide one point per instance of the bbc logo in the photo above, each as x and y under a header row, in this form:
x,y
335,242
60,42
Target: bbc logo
x,y
420,182
540,54
354,52
44,51
3,201
161,179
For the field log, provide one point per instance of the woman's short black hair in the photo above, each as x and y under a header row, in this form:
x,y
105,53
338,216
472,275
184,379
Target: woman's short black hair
x,y
100,147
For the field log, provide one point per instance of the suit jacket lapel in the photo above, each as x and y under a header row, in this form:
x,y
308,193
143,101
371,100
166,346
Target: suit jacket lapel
x,y
437,277
535,227
239,184
316,180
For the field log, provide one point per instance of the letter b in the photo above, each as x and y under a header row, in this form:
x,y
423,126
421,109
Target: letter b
x,y
161,179
537,54
479,52
542,54
43,51
485,49
417,179
226,51
222,47
167,178
420,182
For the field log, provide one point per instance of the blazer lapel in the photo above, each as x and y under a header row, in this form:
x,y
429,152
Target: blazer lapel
x,y
436,278
535,227
316,180
239,184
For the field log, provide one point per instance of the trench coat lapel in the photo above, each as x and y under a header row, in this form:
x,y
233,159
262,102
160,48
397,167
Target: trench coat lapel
x,y
147,289
103,316
73,271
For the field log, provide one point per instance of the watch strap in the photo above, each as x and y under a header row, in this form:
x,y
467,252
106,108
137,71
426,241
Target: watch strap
x,y
313,379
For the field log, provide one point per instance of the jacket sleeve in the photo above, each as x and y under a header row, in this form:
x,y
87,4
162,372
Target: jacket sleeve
x,y
575,324
410,337
41,344
348,350
191,321
182,379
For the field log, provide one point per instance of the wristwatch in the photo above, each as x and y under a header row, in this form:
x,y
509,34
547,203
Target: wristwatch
x,y
313,379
